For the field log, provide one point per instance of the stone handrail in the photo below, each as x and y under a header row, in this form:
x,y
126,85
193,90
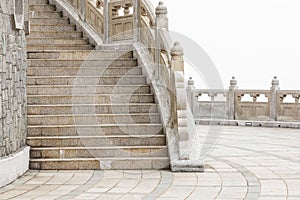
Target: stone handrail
x,y
261,105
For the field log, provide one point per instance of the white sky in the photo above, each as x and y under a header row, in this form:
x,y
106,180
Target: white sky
x,y
252,40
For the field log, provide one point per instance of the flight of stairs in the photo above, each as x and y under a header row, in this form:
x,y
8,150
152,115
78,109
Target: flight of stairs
x,y
87,109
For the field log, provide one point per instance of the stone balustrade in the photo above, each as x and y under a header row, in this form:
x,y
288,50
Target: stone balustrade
x,y
251,105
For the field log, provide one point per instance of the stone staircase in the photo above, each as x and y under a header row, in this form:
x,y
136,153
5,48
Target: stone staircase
x,y
87,109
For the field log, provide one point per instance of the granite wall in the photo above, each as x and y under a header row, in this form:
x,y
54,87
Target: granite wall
x,y
13,20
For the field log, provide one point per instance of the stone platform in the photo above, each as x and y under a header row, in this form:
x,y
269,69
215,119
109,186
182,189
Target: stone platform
x,y
247,163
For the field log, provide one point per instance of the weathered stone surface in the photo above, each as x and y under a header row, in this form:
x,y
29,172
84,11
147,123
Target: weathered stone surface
x,y
12,74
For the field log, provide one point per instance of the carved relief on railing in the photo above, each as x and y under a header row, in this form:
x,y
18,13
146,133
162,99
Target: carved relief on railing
x,y
209,103
121,20
251,108
288,107
94,15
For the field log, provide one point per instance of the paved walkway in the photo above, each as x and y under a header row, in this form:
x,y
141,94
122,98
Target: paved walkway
x,y
247,163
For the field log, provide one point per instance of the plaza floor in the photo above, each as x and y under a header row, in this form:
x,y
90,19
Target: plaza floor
x,y
246,163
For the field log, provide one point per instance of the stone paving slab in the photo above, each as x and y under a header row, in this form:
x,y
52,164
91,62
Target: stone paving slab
x,y
245,163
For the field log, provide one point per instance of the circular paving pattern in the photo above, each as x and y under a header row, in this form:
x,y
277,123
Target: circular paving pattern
x,y
247,163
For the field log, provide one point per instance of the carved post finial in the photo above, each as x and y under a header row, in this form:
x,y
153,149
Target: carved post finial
x,y
233,82
161,12
177,57
161,9
275,82
177,51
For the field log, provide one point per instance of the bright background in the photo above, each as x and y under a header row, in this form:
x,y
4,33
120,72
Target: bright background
x,y
252,40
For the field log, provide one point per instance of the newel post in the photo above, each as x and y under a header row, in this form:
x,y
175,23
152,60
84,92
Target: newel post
x,y
273,99
231,99
189,92
161,22
180,102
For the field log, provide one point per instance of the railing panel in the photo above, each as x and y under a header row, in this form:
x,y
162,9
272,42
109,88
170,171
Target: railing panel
x,y
214,106
121,20
94,16
251,110
288,111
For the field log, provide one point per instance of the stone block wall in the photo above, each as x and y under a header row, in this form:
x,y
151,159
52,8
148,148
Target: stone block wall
x,y
12,76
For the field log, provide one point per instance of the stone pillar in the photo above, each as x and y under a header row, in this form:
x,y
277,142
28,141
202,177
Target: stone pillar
x,y
26,18
231,99
82,10
161,22
137,20
106,15
273,99
189,92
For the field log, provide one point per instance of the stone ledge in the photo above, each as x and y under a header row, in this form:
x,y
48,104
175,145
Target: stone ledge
x,y
13,166
274,124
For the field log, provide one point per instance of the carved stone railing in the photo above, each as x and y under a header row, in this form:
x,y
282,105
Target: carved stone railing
x,y
94,15
288,111
252,105
251,109
213,106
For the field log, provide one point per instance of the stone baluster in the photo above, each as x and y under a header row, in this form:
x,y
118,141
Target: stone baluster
x,y
161,22
115,10
231,99
126,8
273,99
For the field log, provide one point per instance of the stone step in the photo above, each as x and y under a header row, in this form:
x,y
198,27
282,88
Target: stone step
x,y
54,41
58,27
146,163
38,2
46,14
97,152
82,55
55,34
89,99
91,109
42,7
83,71
95,130
58,47
49,21
97,141
86,80
85,89
87,119
53,63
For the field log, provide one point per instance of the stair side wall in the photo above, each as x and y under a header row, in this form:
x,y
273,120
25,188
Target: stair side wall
x,y
13,150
